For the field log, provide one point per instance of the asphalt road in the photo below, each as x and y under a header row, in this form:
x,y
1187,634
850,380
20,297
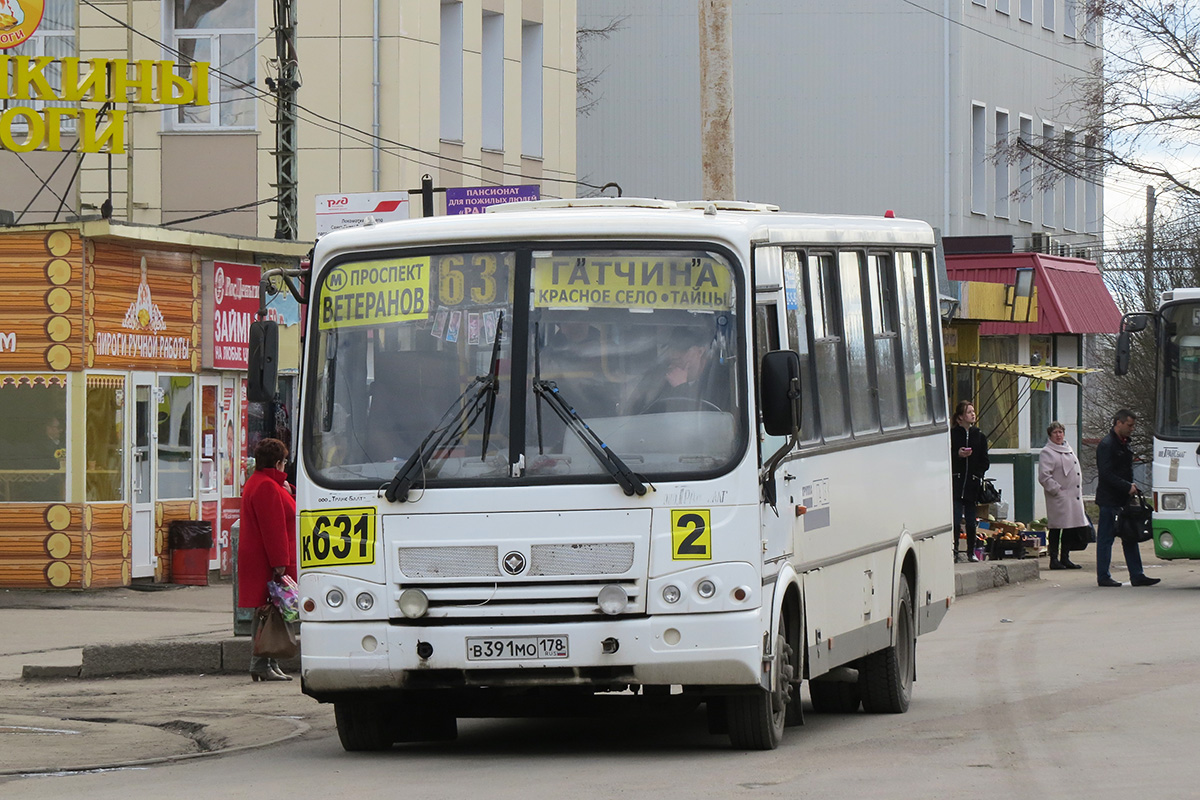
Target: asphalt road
x,y
1052,689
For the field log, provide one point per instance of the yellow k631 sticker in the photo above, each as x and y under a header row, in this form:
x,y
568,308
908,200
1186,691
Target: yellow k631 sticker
x,y
691,534
336,537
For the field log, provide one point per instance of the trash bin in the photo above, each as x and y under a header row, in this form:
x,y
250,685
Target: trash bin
x,y
190,541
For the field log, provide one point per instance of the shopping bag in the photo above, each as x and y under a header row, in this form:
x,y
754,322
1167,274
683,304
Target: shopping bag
x,y
273,638
285,595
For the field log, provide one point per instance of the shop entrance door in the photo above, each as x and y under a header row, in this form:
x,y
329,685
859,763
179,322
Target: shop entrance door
x,y
142,471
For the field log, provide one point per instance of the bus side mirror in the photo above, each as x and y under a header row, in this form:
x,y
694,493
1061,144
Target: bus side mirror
x,y
263,361
1122,365
780,392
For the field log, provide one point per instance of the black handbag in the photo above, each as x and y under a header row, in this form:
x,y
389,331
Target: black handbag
x,y
1079,538
1134,520
986,492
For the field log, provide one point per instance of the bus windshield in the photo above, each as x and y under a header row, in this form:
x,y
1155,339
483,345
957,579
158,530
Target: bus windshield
x,y
1179,400
625,352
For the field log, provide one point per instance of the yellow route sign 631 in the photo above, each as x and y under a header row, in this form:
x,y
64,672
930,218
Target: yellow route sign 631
x,y
337,537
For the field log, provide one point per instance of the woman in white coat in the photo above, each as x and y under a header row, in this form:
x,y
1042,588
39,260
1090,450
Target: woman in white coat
x,y
1062,481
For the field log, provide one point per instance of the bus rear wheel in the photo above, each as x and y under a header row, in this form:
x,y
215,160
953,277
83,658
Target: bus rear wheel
x,y
756,720
834,697
885,678
364,726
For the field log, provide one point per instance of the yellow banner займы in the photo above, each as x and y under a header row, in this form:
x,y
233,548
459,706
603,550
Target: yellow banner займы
x,y
375,292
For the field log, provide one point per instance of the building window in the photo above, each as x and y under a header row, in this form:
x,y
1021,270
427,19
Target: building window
x,y
1070,12
492,81
1048,14
1002,167
221,34
175,442
531,90
105,437
1025,162
1070,183
998,396
980,3
33,438
1091,25
1002,6
1049,211
978,159
55,38
1040,405
451,49
1025,11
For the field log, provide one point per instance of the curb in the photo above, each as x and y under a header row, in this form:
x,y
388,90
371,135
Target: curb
x,y
232,654
972,578
184,656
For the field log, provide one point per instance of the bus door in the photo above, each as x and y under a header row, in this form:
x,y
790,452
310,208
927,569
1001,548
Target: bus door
x,y
776,527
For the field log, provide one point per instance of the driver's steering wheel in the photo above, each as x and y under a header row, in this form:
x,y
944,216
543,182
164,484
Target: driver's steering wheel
x,y
680,404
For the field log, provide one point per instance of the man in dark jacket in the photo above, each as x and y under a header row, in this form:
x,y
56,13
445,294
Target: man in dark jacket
x,y
1114,465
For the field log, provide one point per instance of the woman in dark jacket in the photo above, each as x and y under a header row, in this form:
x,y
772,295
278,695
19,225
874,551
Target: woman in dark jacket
x,y
266,539
969,460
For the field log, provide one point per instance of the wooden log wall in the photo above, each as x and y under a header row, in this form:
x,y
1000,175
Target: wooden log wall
x,y
143,308
65,545
41,305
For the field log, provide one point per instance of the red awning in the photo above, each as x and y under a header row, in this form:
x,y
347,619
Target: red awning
x,y
1071,295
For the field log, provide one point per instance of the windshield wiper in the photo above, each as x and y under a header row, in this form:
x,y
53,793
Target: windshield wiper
x,y
630,483
478,398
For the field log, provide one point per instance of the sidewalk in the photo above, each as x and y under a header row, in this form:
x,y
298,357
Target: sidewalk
x,y
163,629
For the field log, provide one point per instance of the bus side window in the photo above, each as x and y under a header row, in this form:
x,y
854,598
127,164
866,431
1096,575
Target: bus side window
x,y
800,341
766,339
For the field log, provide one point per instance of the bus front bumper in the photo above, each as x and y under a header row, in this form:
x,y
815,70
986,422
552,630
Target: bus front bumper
x,y
693,649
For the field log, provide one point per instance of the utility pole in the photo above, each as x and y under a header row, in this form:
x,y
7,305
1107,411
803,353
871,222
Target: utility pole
x,y
287,178
1149,255
426,191
716,99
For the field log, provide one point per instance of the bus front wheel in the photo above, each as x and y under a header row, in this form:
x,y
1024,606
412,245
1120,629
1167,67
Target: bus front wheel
x,y
756,720
885,678
363,725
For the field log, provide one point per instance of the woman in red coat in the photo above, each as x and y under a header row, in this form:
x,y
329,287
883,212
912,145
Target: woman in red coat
x,y
266,539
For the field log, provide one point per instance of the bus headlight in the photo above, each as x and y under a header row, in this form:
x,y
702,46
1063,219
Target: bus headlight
x,y
1173,501
414,603
613,599
1166,541
671,594
364,601
335,598
706,588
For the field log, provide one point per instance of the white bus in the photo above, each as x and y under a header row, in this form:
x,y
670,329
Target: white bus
x,y
568,453
1175,470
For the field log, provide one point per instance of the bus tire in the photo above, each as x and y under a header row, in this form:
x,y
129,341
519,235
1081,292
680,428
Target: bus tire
x,y
756,720
364,726
834,697
885,678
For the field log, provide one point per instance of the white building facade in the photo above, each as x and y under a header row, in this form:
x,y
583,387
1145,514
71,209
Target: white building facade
x,y
858,106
